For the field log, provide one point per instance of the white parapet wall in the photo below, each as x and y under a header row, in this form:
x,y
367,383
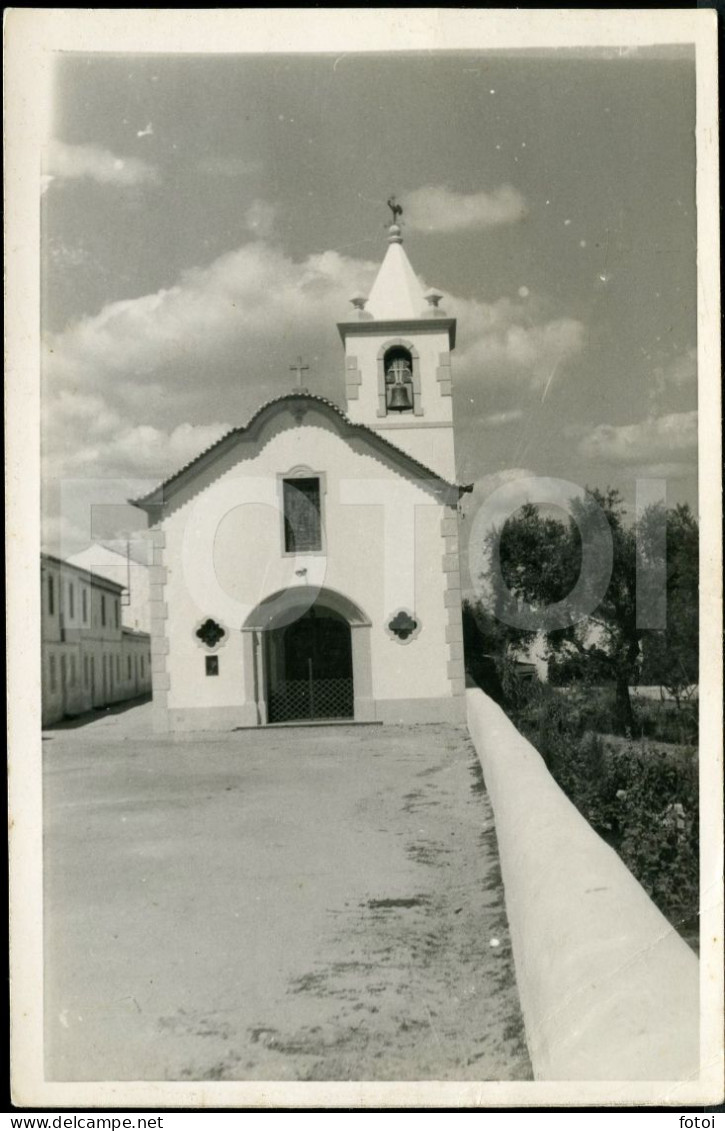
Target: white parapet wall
x,y
608,989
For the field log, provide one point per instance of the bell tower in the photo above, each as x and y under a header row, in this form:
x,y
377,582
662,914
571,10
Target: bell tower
x,y
398,348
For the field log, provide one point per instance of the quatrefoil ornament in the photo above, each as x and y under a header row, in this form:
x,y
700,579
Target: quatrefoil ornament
x,y
210,633
404,626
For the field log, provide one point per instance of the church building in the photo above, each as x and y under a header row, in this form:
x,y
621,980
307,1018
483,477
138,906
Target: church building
x,y
305,566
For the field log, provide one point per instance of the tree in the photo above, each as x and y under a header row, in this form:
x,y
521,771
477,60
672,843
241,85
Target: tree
x,y
487,642
540,559
670,656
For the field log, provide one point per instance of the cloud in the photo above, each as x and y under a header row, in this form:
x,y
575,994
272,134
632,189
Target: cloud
x,y
437,209
70,409
144,448
131,451
224,322
515,340
649,441
76,162
131,389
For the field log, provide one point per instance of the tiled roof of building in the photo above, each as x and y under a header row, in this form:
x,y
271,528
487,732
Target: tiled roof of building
x,y
136,633
94,578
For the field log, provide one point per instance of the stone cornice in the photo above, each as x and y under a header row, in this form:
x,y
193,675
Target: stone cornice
x,y
422,325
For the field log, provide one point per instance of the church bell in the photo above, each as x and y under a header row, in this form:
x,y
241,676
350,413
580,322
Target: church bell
x,y
400,398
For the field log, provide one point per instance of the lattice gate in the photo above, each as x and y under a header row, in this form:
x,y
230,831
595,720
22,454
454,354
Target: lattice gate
x,y
311,699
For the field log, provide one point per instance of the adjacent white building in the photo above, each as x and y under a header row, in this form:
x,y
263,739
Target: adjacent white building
x,y
306,565
88,659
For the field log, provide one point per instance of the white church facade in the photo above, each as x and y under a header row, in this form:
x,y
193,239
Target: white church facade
x,y
305,567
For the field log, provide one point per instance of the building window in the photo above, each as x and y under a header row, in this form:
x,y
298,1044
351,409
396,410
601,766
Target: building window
x,y
398,366
71,600
84,605
143,667
51,596
212,665
103,610
129,667
115,606
302,520
72,680
86,680
53,673
118,667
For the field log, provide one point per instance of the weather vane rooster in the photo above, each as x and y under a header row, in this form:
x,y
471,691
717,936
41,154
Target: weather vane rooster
x,y
395,208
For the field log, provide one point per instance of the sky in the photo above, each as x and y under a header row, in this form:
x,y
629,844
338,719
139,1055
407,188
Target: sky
x,y
205,220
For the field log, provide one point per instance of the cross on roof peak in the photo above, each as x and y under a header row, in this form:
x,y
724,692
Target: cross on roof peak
x,y
299,369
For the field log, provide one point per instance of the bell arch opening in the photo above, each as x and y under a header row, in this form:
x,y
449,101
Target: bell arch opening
x,y
398,367
399,385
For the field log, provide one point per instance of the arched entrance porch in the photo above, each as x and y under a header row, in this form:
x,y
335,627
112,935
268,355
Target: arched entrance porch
x,y
307,656
309,668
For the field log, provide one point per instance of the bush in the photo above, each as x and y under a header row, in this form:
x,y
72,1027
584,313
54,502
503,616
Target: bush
x,y
587,707
642,801
659,829
666,722
484,673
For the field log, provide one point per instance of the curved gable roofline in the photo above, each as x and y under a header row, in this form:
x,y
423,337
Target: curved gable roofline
x,y
252,429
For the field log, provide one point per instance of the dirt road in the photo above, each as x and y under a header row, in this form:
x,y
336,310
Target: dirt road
x,y
286,904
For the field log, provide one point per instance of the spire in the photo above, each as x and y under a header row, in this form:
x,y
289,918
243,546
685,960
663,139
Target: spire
x,y
396,293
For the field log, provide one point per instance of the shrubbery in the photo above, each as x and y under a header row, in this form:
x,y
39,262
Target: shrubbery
x,y
667,722
599,739
641,799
